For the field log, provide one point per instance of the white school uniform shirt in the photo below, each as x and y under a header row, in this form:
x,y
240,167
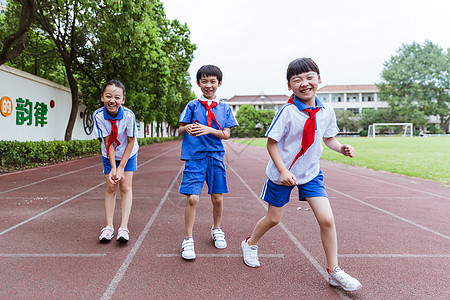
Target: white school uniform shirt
x,y
287,130
126,125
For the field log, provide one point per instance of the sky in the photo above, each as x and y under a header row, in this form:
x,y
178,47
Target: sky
x,y
253,41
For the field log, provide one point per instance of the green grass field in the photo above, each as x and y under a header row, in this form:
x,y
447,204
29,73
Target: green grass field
x,y
427,158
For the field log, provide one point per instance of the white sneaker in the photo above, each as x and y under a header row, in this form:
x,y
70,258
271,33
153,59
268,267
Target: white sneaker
x,y
250,254
123,235
338,278
219,238
106,234
188,249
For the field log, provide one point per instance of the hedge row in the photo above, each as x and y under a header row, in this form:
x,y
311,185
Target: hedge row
x,y
18,155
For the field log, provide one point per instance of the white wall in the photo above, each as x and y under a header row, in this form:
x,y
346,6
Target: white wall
x,y
16,84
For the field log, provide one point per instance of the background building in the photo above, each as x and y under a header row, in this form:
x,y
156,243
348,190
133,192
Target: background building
x,y
2,5
354,98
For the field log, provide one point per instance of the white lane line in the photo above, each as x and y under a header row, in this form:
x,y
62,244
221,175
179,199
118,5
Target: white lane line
x,y
220,255
299,245
367,177
391,214
46,179
123,268
68,200
75,171
396,255
391,183
50,209
158,156
21,255
388,197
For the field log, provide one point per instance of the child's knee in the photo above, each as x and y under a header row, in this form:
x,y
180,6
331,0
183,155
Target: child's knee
x,y
125,187
217,200
192,200
111,189
326,222
273,219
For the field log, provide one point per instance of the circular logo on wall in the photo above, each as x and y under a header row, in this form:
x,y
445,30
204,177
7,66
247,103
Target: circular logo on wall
x,y
88,122
6,106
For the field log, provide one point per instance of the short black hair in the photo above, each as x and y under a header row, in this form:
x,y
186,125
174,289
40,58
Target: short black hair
x,y
209,70
301,65
114,82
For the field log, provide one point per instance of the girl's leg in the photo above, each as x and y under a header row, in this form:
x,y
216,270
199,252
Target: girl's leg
x,y
272,218
126,191
110,202
189,213
217,201
324,215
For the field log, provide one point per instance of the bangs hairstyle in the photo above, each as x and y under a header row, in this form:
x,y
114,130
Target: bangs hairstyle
x,y
114,82
209,70
301,65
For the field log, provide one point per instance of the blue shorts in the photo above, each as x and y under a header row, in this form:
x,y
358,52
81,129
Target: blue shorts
x,y
131,164
208,169
278,195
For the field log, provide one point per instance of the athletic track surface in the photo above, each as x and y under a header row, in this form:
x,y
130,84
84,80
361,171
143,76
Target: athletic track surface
x,y
393,234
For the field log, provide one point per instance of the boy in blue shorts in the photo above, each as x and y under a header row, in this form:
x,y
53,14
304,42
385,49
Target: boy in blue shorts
x,y
204,123
295,146
116,126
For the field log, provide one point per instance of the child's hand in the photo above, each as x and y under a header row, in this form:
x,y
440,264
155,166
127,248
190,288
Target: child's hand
x,y
348,150
112,177
198,129
287,178
120,174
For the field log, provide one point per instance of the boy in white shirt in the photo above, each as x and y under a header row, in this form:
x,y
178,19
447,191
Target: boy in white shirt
x,y
301,124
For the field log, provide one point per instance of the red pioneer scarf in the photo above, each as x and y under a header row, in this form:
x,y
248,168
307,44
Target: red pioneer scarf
x,y
309,131
112,136
210,115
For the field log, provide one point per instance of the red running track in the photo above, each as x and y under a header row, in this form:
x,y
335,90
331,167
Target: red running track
x,y
393,233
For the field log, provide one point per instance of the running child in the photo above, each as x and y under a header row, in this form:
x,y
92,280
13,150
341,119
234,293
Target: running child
x,y
116,126
295,145
204,123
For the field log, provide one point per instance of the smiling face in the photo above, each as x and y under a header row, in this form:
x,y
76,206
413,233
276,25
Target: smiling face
x,y
113,98
209,85
304,86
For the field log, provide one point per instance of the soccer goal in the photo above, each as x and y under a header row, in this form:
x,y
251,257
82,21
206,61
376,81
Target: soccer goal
x,y
407,128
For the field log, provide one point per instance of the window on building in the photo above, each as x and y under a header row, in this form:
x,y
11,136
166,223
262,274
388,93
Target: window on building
x,y
352,97
323,98
368,97
337,98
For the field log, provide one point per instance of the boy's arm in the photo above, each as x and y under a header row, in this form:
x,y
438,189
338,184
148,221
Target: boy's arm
x,y
286,177
334,144
198,129
183,128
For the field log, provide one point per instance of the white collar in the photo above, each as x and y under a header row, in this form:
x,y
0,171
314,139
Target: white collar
x,y
216,99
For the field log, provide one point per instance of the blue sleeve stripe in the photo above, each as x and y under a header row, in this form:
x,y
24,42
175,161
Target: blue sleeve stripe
x,y
277,116
263,192
99,132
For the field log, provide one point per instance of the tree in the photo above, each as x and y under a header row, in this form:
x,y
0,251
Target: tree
x,y
252,122
416,82
127,40
14,43
246,117
347,121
